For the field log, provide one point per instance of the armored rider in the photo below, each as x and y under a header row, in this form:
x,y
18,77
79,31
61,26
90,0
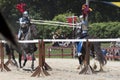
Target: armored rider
x,y
24,20
84,27
24,24
83,34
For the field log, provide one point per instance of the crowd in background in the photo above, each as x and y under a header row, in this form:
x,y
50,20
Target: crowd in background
x,y
111,53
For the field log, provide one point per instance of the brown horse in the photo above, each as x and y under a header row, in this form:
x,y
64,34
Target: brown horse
x,y
94,50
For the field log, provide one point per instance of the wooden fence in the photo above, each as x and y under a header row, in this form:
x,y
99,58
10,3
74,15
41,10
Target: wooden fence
x,y
61,49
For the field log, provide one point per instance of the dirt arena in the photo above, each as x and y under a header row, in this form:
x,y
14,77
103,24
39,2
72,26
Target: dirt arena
x,y
64,69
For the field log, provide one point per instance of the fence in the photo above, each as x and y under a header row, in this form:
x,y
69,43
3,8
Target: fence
x,y
41,47
109,57
62,53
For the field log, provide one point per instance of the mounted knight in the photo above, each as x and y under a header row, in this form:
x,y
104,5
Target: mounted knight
x,y
24,21
27,31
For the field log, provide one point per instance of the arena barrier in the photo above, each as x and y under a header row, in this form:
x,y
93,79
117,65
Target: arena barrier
x,y
2,65
61,48
42,65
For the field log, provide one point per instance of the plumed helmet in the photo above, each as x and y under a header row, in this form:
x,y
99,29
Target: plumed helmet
x,y
25,13
20,7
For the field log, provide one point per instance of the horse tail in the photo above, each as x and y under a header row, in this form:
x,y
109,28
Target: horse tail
x,y
100,57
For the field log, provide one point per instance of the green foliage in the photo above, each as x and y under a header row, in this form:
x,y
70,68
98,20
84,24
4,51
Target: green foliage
x,y
105,30
58,10
46,31
62,17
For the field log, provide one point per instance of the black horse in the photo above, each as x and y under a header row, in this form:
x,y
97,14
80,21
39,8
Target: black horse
x,y
94,48
94,51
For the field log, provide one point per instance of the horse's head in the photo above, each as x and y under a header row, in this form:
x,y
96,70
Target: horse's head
x,y
29,32
34,32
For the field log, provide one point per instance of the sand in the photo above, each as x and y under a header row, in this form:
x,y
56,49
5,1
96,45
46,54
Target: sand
x,y
63,69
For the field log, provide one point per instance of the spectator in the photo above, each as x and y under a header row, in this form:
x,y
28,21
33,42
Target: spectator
x,y
104,52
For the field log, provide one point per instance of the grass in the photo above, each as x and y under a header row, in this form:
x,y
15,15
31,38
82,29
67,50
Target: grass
x,y
105,45
56,51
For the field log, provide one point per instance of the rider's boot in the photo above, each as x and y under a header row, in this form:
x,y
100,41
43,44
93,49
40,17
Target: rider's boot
x,y
79,54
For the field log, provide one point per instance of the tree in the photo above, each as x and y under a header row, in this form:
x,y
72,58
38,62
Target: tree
x,y
105,30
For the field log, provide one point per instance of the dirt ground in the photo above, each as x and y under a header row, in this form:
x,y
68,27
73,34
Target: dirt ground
x,y
64,69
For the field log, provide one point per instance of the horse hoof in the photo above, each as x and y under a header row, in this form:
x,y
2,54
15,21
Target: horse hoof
x,y
94,67
78,67
21,67
32,68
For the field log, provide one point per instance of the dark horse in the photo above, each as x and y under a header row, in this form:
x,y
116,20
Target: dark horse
x,y
95,52
94,49
25,48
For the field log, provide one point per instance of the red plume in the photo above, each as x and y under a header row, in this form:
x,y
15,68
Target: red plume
x,y
20,7
85,10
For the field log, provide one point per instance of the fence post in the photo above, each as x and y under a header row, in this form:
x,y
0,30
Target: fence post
x,y
49,52
2,65
72,51
41,68
87,69
62,52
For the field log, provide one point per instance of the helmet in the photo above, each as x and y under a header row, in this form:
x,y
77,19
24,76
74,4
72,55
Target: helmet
x,y
25,14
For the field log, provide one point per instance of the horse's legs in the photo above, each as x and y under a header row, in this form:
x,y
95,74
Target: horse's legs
x,y
13,57
25,58
33,58
101,67
80,62
20,56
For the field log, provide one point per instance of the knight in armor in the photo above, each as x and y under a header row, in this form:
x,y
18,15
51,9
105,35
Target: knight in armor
x,y
24,24
24,20
82,33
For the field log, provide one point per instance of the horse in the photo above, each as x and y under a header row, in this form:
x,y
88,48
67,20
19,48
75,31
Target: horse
x,y
24,48
94,49
28,48
95,52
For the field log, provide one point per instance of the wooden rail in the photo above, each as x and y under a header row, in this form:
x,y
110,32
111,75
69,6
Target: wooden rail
x,y
62,54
